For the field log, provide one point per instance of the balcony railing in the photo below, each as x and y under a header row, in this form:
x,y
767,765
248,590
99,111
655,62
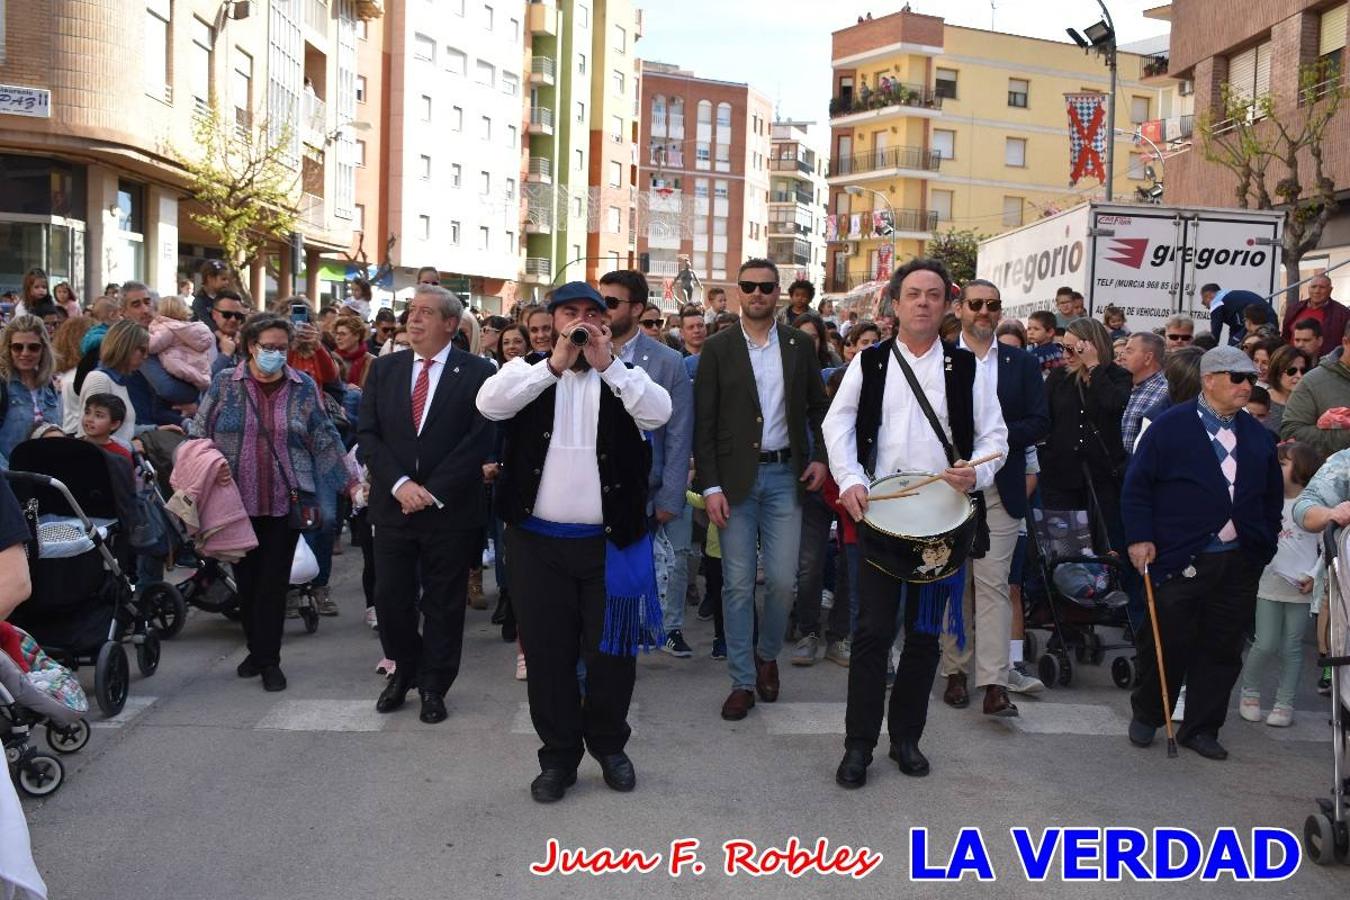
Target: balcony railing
x,y
911,220
541,115
792,197
789,257
539,266
540,218
842,282
890,158
314,114
543,66
790,165
781,227
892,93
311,210
541,167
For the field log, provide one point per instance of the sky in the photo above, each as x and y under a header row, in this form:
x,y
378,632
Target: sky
x,y
782,47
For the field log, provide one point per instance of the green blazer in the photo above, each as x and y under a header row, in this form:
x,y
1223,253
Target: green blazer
x,y
728,422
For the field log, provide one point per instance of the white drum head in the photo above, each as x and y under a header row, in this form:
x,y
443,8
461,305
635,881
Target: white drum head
x,y
937,508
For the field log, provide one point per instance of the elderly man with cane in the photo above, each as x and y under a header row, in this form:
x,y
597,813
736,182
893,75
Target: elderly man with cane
x,y
1202,504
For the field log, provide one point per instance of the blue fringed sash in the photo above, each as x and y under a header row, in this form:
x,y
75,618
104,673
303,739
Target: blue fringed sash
x,y
940,602
633,619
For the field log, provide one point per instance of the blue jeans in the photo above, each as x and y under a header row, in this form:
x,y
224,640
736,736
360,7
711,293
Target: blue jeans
x,y
770,518
678,531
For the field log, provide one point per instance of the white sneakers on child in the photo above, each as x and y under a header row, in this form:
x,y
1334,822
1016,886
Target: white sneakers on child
x,y
1280,716
1250,706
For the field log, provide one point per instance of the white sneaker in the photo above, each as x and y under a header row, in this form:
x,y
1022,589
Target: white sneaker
x,y
521,673
1280,716
1021,683
1179,711
1250,706
370,618
804,654
840,652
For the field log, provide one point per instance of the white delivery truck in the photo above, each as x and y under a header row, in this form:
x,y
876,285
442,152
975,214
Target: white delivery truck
x,y
1149,260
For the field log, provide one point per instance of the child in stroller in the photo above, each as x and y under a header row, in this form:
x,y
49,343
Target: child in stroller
x,y
35,691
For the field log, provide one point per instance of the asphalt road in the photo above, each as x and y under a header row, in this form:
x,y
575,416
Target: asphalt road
x,y
210,788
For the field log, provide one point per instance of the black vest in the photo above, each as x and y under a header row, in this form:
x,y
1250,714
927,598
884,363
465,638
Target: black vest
x,y
623,455
959,374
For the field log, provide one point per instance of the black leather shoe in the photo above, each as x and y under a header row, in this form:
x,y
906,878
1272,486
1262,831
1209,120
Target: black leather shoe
x,y
910,760
1141,735
1206,744
433,707
273,679
618,771
395,691
852,771
248,668
551,784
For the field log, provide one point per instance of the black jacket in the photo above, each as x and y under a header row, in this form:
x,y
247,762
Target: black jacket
x,y
1021,396
1085,427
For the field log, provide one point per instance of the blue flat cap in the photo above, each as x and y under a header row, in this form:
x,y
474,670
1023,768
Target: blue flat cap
x,y
575,290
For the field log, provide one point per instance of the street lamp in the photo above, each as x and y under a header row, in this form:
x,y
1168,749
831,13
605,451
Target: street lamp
x,y
1101,38
858,191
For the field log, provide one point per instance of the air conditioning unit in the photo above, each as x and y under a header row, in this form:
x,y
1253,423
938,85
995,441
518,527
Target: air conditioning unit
x,y
1186,88
851,247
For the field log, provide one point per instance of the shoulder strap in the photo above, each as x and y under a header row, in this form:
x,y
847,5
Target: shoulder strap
x,y
924,405
267,436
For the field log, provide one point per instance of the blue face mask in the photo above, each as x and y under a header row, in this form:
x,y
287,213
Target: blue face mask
x,y
271,361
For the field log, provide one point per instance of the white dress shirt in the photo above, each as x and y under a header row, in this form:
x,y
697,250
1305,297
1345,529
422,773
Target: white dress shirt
x,y
767,363
433,379
985,366
905,441
569,488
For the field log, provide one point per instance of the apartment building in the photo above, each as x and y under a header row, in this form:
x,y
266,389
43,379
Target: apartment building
x,y
936,126
101,97
1260,53
703,178
798,191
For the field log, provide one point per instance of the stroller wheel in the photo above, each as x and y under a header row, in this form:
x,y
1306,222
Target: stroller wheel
x,y
112,676
1324,842
68,739
1065,670
147,654
40,775
1047,668
310,615
1124,671
166,609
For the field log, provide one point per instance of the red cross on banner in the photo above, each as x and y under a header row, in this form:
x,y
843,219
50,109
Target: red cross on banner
x,y
1087,140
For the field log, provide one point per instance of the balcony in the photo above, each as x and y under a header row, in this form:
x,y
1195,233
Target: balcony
x,y
789,257
892,95
541,120
538,269
797,196
913,224
843,282
782,227
317,16
314,117
540,171
540,218
543,70
890,161
311,211
543,18
799,166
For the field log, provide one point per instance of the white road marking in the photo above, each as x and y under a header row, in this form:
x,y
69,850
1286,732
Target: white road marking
x,y
323,715
1308,726
802,718
1069,718
135,705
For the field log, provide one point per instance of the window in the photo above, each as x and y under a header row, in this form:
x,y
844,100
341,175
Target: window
x,y
581,63
724,158
1139,110
719,262
485,183
620,39
701,188
510,189
456,61
199,62
618,82
581,111
1331,40
1249,72
241,88
156,48
454,233
425,108
724,115
720,191
359,153
515,29
946,84
456,118
583,15
615,174
614,220
1015,152
659,114
485,128
702,154
510,84
487,17
456,175
578,161
1017,92
719,227
1012,212
940,202
424,228
359,216
616,129
424,167
511,131
362,31
485,73
484,238
424,48
510,241
944,143
704,112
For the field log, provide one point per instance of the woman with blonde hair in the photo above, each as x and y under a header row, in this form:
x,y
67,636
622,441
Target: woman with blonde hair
x,y
66,344
350,334
122,352
26,368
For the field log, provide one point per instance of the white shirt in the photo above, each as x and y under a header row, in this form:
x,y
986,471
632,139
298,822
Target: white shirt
x,y
767,364
905,441
569,487
985,366
433,379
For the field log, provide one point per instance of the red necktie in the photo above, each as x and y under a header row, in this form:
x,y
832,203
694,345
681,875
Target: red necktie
x,y
419,395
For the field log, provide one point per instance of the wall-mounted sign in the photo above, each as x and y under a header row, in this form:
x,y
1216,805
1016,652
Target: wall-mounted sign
x,y
25,101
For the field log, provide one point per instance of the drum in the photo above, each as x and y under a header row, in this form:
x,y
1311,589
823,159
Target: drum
x,y
921,538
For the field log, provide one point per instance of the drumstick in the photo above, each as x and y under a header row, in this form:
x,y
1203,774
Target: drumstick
x,y
911,489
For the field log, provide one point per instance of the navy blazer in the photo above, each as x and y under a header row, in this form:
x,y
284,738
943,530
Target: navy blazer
x,y
1176,497
1021,395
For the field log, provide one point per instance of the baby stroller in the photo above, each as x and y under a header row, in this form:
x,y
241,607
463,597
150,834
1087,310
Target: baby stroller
x,y
1326,836
84,606
1069,592
37,692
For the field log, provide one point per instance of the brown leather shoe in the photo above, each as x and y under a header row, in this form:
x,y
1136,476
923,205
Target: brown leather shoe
x,y
766,679
956,694
737,705
996,702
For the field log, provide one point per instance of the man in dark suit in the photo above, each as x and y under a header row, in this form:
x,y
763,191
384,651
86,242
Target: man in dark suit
x,y
1202,504
757,393
424,441
987,604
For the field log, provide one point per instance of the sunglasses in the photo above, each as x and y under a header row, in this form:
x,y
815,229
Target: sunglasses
x,y
1181,338
1239,377
235,316
613,303
651,323
991,305
764,287
1295,370
388,329
25,348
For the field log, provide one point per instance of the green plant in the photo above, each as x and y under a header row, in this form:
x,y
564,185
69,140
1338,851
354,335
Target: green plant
x,y
957,250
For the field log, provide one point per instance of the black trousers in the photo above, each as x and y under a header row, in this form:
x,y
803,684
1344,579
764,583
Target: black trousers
x,y
878,599
817,516
559,598
1203,622
365,539
436,561
263,577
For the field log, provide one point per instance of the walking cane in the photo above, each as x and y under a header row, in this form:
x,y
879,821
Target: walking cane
x,y
1162,672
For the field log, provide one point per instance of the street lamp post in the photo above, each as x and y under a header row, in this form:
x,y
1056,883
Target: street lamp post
x,y
858,191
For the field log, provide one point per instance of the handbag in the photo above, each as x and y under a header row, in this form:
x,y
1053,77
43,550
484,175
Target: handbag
x,y
303,513
981,544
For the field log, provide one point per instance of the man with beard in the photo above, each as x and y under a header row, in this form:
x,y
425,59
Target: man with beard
x,y
228,314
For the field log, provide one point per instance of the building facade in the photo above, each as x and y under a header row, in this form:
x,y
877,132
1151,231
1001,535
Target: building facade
x,y
703,178
104,96
798,191
936,126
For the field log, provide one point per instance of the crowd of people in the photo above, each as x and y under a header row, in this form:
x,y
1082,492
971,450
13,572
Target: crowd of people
x,y
608,458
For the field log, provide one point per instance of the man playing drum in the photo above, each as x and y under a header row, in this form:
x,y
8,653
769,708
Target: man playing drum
x,y
877,425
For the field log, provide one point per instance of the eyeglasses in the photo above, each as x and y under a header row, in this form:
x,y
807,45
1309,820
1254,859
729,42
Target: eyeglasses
x,y
227,314
765,287
613,303
651,323
1294,370
1239,377
991,305
1181,338
25,348
282,348
388,329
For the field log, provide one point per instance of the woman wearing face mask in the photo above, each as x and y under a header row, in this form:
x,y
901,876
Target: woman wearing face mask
x,y
269,424
26,367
